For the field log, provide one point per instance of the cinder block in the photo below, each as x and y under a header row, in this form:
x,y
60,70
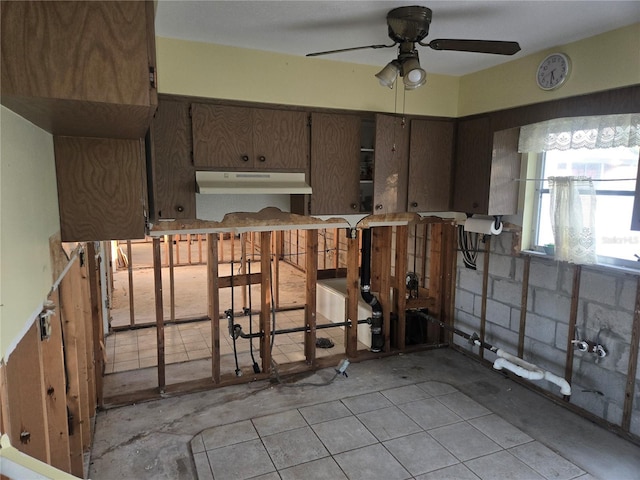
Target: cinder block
x,y
502,338
515,320
551,305
470,280
518,269
541,328
562,331
466,322
565,278
635,421
588,399
627,300
464,300
501,244
507,291
543,274
545,356
598,287
501,266
594,377
498,313
599,316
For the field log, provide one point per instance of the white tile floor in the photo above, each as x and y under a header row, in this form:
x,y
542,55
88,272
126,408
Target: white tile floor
x,y
428,430
134,349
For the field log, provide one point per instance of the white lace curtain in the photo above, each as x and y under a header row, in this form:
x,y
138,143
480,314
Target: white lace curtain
x,y
573,218
573,199
605,131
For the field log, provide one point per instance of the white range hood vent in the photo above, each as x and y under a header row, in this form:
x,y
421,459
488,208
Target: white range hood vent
x,y
247,183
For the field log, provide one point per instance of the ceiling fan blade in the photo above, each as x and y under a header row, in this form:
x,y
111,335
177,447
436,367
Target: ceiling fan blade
x,y
328,52
480,46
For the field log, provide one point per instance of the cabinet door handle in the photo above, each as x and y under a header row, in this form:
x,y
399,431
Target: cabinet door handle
x,y
262,158
354,206
180,208
379,206
245,158
414,204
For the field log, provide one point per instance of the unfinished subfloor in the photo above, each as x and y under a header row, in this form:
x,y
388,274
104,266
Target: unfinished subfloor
x,y
430,415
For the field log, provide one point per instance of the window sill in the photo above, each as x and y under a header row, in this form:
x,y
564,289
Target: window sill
x,y
600,266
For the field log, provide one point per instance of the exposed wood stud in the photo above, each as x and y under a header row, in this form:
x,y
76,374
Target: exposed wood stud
x,y
573,315
436,260
265,297
157,280
132,316
485,289
450,278
175,240
402,243
172,284
189,261
523,305
353,293
213,304
311,268
96,319
381,250
633,364
200,248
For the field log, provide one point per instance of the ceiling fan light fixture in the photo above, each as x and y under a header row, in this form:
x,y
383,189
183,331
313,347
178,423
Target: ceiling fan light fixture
x,y
413,74
387,76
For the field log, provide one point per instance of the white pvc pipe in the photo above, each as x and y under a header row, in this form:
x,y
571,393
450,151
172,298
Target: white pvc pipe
x,y
529,371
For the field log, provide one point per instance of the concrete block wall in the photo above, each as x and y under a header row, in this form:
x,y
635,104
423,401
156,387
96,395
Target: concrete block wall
x,y
605,315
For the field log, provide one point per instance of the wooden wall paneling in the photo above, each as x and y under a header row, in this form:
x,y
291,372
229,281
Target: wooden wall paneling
x,y
213,304
172,170
71,331
430,166
573,316
311,271
54,386
27,413
157,282
335,164
97,320
101,188
523,305
485,288
353,292
390,165
402,240
505,167
627,409
265,300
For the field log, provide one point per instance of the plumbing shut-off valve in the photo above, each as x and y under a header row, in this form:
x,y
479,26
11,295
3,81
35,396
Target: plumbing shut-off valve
x,y
590,347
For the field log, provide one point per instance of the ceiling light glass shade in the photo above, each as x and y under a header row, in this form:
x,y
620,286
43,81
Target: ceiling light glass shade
x,y
414,75
388,74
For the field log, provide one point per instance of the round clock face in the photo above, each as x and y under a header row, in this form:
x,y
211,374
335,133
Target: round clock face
x,y
553,71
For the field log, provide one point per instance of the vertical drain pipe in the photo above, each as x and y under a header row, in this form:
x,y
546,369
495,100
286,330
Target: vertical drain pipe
x,y
377,336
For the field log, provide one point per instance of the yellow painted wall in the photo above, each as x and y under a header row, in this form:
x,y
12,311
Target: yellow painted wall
x,y
28,217
216,71
603,62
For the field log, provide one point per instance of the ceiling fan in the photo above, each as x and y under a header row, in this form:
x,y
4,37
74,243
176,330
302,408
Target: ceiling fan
x,y
410,25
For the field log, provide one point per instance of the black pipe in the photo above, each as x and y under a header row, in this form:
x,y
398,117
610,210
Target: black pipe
x,y
301,329
377,334
256,367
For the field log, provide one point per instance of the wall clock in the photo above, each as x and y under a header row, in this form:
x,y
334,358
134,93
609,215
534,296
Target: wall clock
x,y
553,71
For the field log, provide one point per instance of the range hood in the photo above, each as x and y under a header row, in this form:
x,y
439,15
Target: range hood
x,y
251,183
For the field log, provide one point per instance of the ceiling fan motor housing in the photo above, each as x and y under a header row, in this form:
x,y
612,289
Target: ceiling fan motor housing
x,y
409,24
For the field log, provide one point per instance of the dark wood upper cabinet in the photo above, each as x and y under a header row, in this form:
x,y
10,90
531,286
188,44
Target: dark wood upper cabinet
x,y
335,164
101,188
486,165
390,170
172,172
82,68
242,138
430,165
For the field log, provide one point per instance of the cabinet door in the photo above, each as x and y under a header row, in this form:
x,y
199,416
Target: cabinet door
x,y
100,188
505,167
390,165
222,137
430,162
473,165
80,68
280,140
172,170
335,155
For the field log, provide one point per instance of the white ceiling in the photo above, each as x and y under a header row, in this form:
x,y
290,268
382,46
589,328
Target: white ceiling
x,y
301,27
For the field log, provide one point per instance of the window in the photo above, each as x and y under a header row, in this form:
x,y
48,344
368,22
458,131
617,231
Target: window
x,y
614,172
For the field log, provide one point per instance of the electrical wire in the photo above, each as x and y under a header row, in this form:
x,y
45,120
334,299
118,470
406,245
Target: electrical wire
x,y
232,329
468,244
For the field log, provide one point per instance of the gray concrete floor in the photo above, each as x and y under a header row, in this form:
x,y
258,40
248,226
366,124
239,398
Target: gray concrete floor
x,y
159,439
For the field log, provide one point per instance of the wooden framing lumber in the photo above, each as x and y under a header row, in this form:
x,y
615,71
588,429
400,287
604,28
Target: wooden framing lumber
x,y
132,316
627,409
402,244
95,297
311,270
213,304
265,300
353,293
485,288
157,281
381,252
573,315
523,305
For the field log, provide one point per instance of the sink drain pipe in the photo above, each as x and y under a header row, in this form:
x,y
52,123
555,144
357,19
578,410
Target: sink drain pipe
x,y
377,335
505,360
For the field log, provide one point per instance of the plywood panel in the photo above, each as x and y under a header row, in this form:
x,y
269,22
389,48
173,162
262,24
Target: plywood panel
x,y
280,140
100,188
390,165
